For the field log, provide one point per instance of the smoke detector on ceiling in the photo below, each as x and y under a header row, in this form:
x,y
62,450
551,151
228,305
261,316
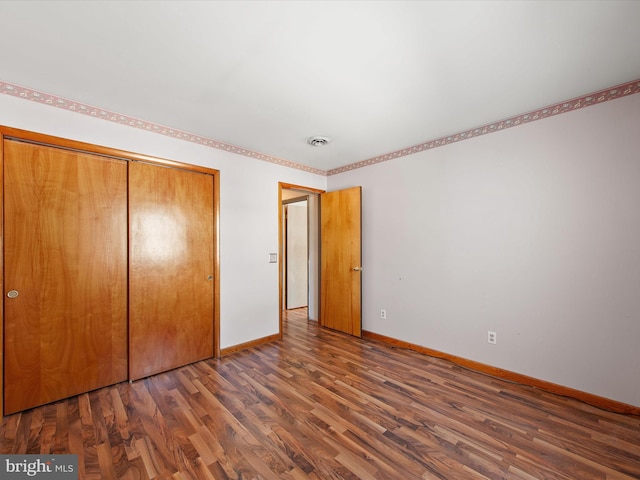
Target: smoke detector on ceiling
x,y
318,141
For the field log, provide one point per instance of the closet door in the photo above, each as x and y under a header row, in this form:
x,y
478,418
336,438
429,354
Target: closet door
x,y
171,268
65,278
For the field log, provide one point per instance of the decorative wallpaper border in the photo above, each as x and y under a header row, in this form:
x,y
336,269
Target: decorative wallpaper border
x,y
604,95
595,98
77,107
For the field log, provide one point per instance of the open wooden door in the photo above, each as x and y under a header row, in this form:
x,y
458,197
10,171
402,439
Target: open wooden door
x,y
340,261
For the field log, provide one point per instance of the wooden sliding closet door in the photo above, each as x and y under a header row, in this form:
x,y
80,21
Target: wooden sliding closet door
x,y
65,258
171,268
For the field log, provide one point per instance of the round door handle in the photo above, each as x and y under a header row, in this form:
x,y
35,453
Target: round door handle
x,y
12,293
357,269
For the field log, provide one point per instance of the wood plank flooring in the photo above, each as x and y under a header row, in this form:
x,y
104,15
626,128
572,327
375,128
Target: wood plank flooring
x,y
324,405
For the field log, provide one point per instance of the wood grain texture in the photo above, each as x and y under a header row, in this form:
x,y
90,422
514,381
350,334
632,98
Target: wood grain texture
x,y
65,252
74,147
171,268
41,138
2,270
319,404
340,253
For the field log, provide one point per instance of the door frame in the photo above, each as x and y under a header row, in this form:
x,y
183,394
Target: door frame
x,y
303,190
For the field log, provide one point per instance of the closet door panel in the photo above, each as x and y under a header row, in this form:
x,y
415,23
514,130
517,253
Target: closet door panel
x,y
65,254
170,268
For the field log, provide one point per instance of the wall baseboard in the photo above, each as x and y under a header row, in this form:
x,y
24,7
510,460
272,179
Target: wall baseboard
x,y
588,398
252,343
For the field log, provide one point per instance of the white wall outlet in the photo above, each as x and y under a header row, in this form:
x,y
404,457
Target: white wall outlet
x,y
492,337
383,314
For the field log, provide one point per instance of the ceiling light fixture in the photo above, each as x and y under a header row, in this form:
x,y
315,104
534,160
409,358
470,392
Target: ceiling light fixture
x,y
318,141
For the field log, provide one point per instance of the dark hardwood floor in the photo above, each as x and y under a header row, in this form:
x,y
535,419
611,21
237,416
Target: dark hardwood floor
x,y
323,405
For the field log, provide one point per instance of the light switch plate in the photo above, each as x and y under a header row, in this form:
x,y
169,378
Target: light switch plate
x,y
273,258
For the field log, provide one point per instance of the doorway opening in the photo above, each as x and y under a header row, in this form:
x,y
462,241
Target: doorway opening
x,y
299,212
334,275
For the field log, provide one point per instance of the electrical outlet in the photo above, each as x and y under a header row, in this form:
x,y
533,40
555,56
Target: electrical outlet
x,y
383,314
492,337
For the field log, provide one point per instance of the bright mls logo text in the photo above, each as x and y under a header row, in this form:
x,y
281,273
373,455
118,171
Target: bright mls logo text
x,y
51,467
30,468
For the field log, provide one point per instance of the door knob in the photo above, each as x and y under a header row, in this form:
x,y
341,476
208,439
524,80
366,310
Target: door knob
x,y
12,293
357,269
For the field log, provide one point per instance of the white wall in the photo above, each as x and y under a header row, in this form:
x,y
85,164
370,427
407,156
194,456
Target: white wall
x,y
533,232
248,221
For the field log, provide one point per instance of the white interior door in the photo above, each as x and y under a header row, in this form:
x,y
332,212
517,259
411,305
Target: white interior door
x,y
297,255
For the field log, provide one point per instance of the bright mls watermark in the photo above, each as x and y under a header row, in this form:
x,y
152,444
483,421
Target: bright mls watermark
x,y
50,467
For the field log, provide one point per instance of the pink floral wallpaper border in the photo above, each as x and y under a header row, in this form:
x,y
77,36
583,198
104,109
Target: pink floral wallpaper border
x,y
580,102
66,104
604,95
